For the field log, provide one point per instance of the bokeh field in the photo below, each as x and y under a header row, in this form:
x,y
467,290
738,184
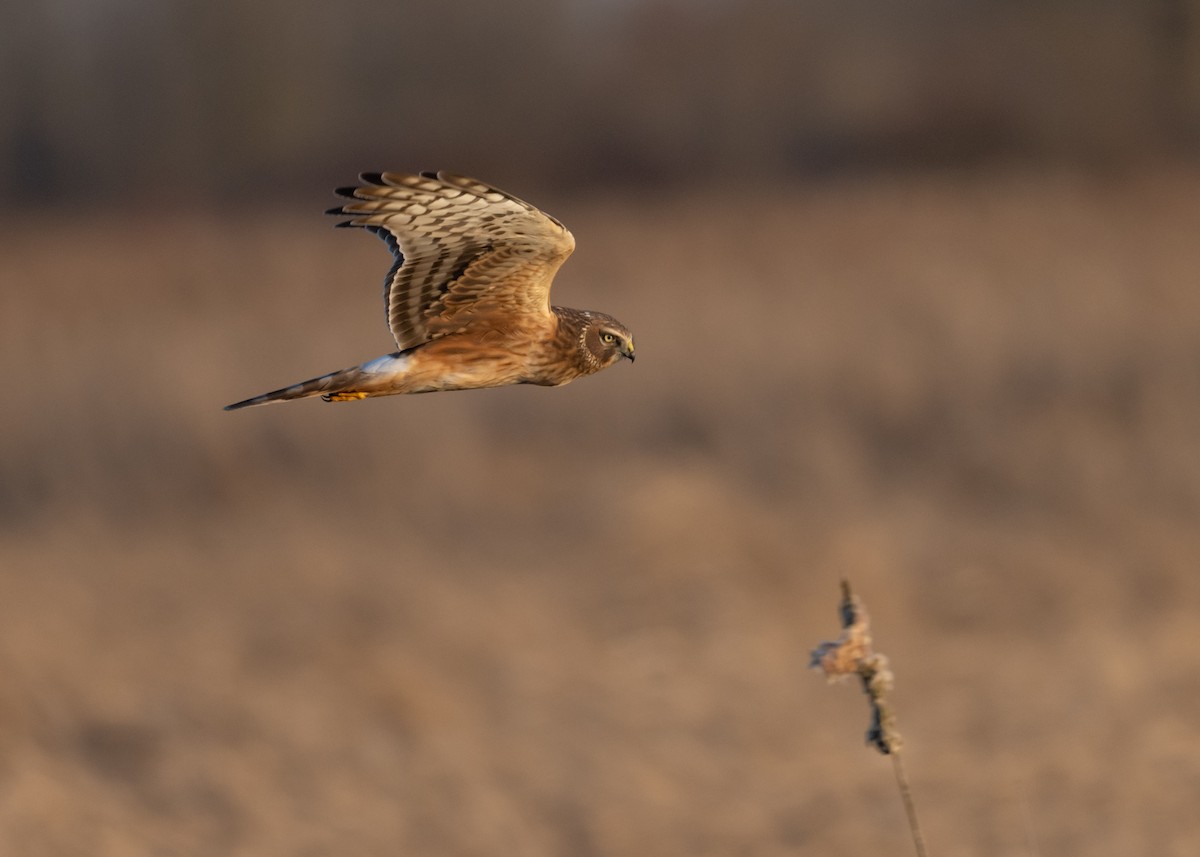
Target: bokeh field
x,y
577,621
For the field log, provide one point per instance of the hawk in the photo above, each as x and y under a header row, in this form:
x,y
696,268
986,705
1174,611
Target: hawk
x,y
467,296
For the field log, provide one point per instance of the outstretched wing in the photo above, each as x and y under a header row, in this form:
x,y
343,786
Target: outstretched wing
x,y
467,255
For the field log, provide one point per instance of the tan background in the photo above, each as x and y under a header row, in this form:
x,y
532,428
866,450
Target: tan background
x,y
916,300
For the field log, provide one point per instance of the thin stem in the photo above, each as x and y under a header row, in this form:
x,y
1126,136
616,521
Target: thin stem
x,y
909,807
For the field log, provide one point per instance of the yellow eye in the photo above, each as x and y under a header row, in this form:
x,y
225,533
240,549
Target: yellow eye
x,y
608,338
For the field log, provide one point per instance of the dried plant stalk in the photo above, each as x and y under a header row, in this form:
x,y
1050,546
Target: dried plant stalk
x,y
851,654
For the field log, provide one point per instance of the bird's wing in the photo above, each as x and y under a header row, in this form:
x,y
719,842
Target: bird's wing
x,y
466,254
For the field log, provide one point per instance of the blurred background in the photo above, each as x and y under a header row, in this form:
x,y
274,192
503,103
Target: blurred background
x,y
916,300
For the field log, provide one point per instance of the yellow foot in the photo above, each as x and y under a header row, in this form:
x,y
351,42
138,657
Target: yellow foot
x,y
344,396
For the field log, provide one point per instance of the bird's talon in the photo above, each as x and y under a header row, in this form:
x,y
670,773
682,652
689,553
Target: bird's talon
x,y
344,396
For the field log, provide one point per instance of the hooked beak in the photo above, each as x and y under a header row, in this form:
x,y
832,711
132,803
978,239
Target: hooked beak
x,y
627,350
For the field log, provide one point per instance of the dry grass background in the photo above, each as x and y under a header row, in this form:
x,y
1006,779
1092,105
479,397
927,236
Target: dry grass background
x,y
576,621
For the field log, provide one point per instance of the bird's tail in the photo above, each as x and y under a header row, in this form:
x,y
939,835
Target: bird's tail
x,y
342,386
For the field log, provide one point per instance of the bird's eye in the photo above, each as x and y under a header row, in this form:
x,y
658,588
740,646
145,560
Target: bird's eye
x,y
608,338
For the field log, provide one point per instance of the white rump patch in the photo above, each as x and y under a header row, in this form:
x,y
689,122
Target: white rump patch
x,y
391,364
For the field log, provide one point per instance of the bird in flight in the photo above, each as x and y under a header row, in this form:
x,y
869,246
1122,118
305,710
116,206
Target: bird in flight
x,y
467,296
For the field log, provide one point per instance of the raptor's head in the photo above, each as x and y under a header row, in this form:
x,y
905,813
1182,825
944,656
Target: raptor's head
x,y
606,340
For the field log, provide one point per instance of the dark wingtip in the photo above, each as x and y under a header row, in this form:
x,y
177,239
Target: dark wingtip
x,y
347,191
345,224
372,178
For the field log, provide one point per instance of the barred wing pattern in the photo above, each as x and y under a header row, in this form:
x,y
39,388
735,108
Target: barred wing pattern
x,y
467,255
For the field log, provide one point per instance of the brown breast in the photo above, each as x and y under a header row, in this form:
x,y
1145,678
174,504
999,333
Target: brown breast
x,y
561,357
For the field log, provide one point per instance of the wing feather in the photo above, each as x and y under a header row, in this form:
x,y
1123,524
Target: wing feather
x,y
467,255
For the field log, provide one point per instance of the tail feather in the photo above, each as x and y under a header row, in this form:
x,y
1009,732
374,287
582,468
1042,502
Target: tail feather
x,y
334,382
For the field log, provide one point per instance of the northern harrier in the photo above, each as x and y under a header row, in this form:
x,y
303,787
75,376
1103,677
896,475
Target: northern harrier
x,y
468,296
